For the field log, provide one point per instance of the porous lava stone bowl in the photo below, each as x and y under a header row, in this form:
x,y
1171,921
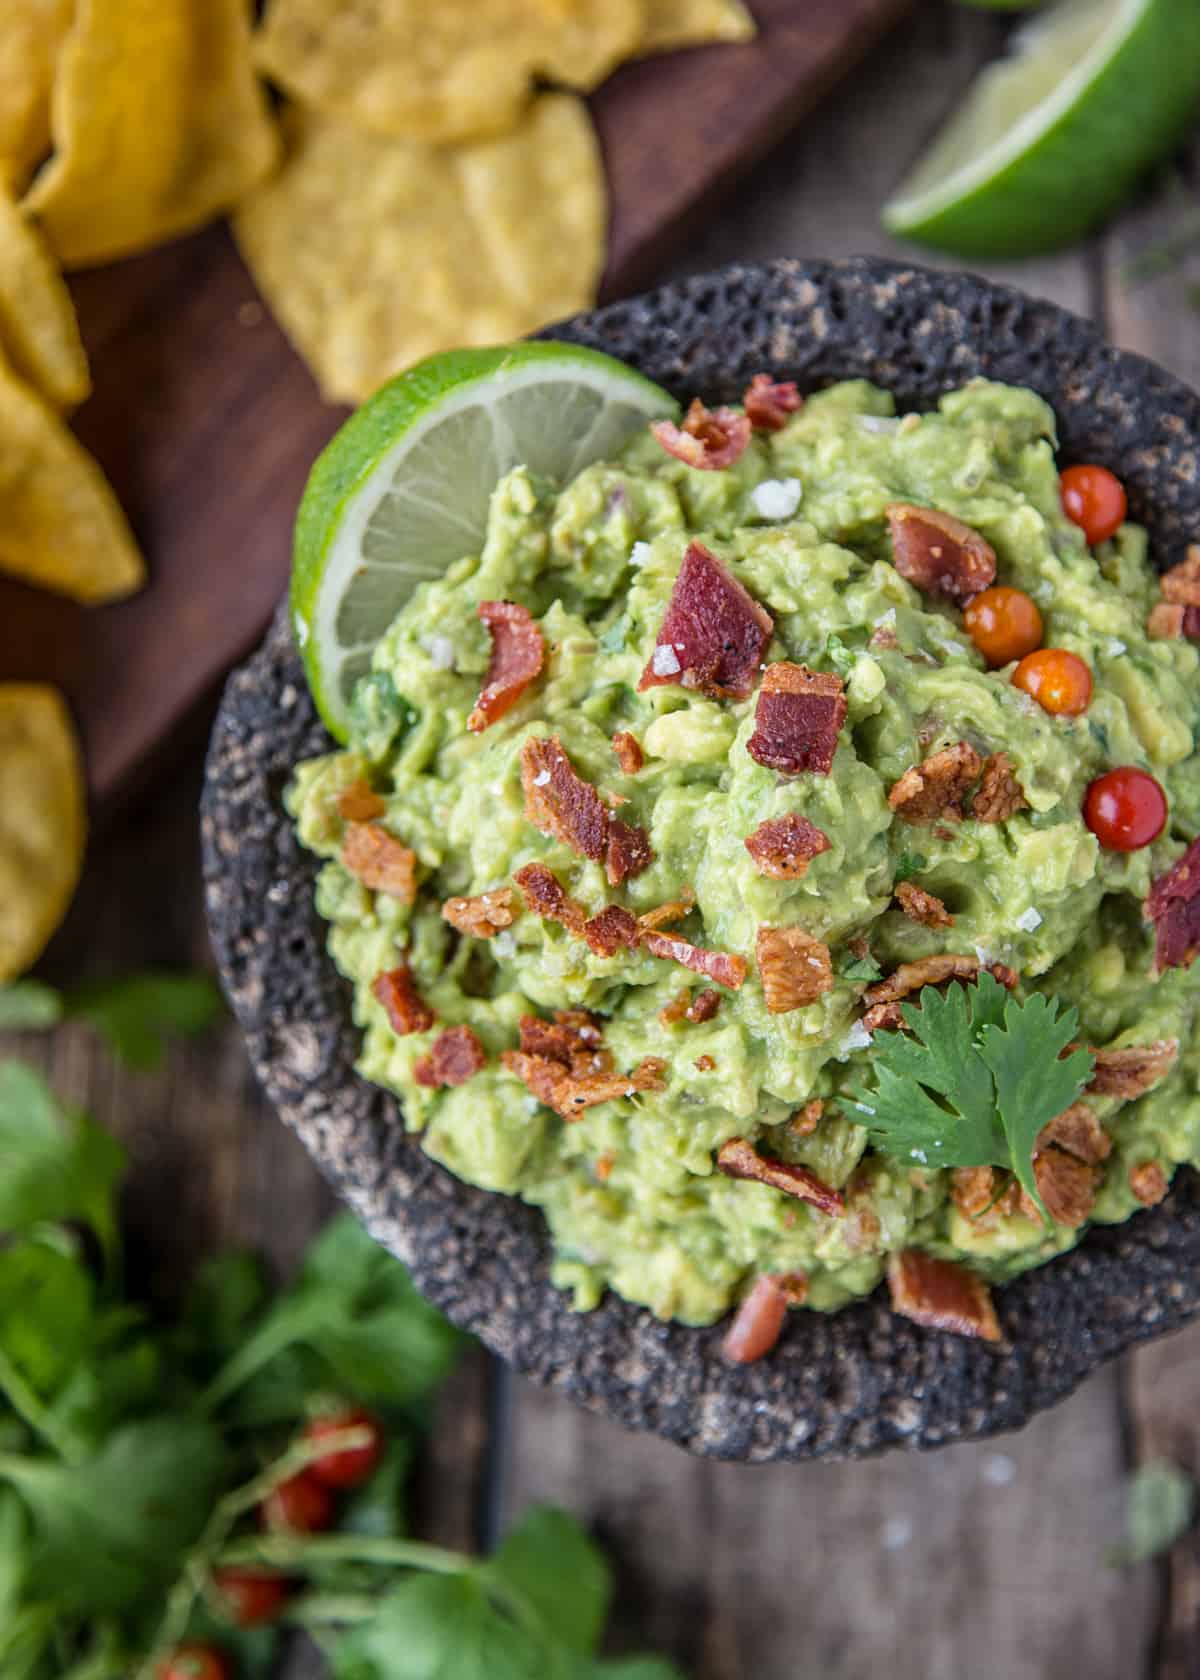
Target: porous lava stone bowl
x,y
862,1379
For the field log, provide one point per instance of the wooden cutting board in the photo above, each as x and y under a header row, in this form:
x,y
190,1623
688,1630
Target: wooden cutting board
x,y
207,423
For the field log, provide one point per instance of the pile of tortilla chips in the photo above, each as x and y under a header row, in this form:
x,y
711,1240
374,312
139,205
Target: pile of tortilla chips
x,y
442,185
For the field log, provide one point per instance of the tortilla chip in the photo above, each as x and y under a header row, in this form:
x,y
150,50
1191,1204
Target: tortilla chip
x,y
43,820
61,526
159,125
450,70
690,23
32,33
38,330
375,252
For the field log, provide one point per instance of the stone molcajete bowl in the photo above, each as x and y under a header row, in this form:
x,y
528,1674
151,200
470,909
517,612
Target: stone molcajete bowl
x,y
862,1379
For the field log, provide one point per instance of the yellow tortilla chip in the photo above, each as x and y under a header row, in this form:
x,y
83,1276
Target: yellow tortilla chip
x,y
43,820
159,125
31,33
441,70
690,23
61,526
375,252
38,329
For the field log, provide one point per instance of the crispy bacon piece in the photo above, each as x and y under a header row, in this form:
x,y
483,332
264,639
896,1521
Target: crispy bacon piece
x,y
629,752
1148,1182
1181,584
709,439
882,637
1173,905
406,1009
574,1039
999,794
604,1166
794,967
1169,620
1079,1132
359,803
455,1056
738,1158
1133,1069
921,906
560,803
627,853
547,897
1066,1185
768,402
570,1094
797,720
972,1190
703,1006
783,847
518,654
380,861
757,1322
713,634
884,998
705,1064
941,1295
938,553
806,1120
725,969
663,915
612,930
934,790
483,916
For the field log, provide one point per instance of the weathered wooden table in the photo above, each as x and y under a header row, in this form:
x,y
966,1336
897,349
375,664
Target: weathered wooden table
x,y
982,1560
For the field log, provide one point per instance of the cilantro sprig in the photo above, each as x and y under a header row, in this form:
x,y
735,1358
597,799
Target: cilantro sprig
x,y
974,1080
134,1013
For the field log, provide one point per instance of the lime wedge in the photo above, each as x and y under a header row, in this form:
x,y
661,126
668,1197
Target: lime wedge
x,y
1051,138
402,491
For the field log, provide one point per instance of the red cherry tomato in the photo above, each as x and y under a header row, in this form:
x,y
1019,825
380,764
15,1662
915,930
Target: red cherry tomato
x,y
251,1597
346,1467
1004,624
1125,809
301,1505
1094,500
1059,681
195,1662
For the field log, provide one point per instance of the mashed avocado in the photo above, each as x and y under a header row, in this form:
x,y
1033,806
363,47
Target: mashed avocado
x,y
629,1189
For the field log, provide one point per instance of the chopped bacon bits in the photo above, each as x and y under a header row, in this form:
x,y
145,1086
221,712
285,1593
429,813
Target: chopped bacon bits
x,y
380,861
921,906
406,1010
783,847
738,1158
797,720
611,931
1166,621
938,553
574,1039
934,790
1173,905
483,916
972,1190
547,897
705,1064
1066,1185
757,1322
1181,584
570,1094
883,637
941,1295
703,1006
604,1166
713,635
455,1056
884,998
709,439
999,795
560,803
1148,1182
720,966
806,1120
628,851
1133,1069
518,654
629,752
794,967
663,915
768,402
1078,1131
359,803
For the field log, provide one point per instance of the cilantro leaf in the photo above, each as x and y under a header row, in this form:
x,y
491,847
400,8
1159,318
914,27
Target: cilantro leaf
x,y
860,968
58,1164
1161,1503
974,1080
550,1562
909,864
28,1004
138,1012
445,1627
632,1668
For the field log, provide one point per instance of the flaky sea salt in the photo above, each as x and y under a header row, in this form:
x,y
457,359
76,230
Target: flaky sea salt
x,y
857,1038
542,777
639,554
1029,920
504,945
441,652
664,661
776,498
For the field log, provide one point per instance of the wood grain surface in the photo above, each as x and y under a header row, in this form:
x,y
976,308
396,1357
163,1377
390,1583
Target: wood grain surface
x,y
207,423
984,1561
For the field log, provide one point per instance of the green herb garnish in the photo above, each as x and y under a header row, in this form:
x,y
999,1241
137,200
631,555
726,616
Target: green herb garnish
x,y
909,864
136,1013
860,968
974,1080
1160,1505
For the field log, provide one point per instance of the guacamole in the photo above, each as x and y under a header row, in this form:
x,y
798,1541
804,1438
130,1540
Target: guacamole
x,y
630,1186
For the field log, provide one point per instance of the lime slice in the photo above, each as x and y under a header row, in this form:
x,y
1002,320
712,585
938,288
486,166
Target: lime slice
x,y
1050,139
403,489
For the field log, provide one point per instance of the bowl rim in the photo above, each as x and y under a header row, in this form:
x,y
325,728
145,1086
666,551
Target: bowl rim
x,y
864,1378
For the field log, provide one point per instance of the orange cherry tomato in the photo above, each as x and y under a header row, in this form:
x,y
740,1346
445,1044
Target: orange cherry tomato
x,y
1125,809
1059,681
1004,624
1093,499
